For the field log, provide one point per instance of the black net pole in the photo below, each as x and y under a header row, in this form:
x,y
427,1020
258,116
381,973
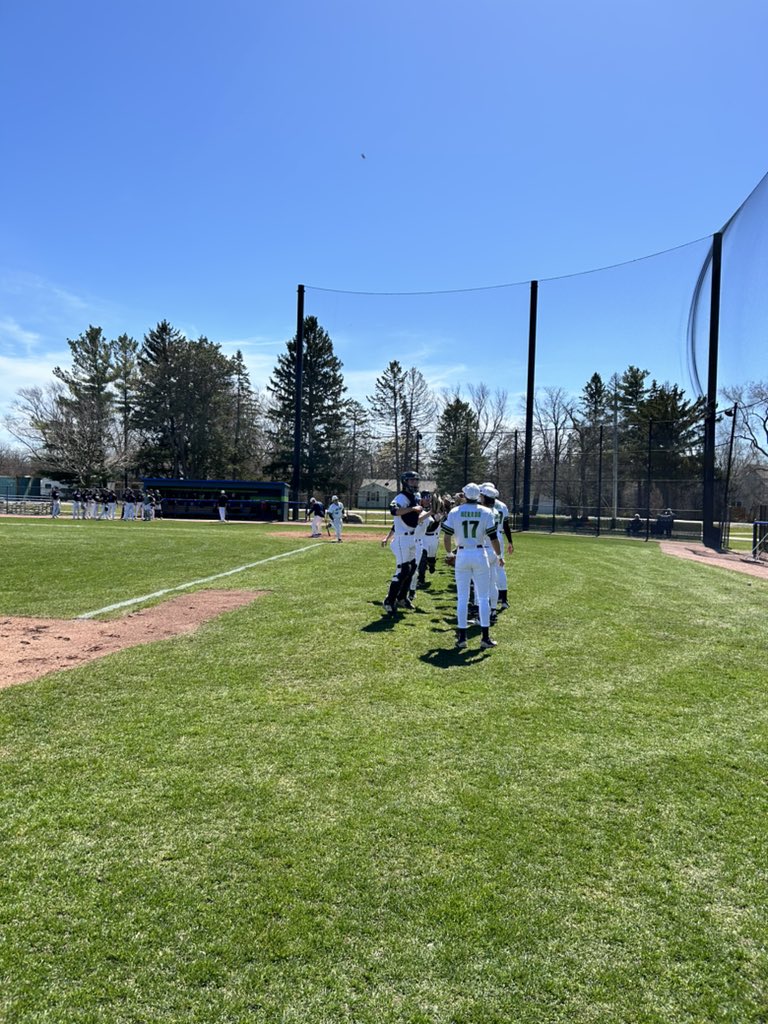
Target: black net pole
x,y
649,481
710,533
554,485
532,318
514,487
296,478
599,478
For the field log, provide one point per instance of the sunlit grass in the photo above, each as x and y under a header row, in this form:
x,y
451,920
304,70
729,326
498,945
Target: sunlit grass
x,y
307,812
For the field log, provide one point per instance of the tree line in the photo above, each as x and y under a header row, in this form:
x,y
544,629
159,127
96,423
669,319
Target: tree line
x,y
180,407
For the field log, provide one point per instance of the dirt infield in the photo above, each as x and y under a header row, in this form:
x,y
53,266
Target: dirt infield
x,y
30,648
735,561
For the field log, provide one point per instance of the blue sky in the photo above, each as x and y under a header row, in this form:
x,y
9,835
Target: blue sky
x,y
193,161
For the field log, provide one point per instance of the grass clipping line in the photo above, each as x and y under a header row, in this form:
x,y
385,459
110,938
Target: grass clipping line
x,y
30,648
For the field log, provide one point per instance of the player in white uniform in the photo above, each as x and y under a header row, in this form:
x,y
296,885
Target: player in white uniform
x,y
407,513
488,495
470,524
501,512
419,536
336,515
427,560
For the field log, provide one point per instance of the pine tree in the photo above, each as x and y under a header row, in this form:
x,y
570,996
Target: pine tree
x,y
87,404
322,399
246,428
675,427
387,404
125,384
458,456
418,411
183,404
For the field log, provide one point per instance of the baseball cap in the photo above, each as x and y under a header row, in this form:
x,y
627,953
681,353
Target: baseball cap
x,y
471,492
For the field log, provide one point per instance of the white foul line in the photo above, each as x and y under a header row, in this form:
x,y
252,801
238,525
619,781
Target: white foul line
x,y
192,583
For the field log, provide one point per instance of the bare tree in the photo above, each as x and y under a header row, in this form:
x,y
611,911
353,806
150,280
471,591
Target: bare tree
x,y
752,425
491,411
551,416
59,435
13,461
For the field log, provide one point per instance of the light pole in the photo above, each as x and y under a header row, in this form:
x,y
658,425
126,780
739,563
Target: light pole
x,y
725,517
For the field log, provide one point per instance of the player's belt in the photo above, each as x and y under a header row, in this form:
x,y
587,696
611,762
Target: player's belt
x,y
408,533
463,547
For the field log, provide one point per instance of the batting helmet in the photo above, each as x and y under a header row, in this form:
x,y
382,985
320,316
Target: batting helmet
x,y
410,481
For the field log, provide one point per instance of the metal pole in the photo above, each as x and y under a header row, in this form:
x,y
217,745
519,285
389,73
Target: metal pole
x,y
532,319
599,479
648,495
514,487
710,533
615,495
725,518
554,483
296,479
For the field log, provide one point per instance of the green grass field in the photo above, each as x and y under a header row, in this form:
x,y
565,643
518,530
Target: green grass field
x,y
307,813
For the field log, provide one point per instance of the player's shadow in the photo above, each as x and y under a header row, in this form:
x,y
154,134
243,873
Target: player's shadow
x,y
449,657
386,622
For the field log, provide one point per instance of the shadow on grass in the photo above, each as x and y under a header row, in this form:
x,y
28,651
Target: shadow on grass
x,y
387,620
382,625
449,657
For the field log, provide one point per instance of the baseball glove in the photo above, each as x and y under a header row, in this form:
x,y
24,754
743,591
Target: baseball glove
x,y
450,559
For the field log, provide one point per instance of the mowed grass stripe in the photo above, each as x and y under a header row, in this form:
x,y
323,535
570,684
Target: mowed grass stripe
x,y
193,583
67,568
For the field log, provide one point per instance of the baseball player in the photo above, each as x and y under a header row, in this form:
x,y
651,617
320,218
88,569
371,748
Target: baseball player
x,y
221,504
407,512
316,512
430,540
470,524
501,513
488,495
336,515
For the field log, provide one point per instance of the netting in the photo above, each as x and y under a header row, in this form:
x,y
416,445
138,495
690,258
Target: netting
x,y
615,430
743,301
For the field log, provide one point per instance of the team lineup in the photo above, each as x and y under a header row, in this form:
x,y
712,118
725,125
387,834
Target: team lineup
x,y
474,525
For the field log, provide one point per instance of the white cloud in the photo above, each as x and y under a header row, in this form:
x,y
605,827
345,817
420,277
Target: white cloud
x,y
13,335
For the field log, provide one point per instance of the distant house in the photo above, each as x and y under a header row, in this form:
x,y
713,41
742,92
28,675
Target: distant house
x,y
379,493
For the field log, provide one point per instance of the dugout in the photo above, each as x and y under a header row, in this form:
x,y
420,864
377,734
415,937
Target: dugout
x,y
264,501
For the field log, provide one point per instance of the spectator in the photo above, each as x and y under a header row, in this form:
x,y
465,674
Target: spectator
x,y
666,521
635,525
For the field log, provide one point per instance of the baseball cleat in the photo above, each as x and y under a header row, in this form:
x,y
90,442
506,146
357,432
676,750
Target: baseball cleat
x,y
485,645
388,608
406,602
503,605
460,645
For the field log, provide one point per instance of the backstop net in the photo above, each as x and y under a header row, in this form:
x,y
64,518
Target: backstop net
x,y
582,397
